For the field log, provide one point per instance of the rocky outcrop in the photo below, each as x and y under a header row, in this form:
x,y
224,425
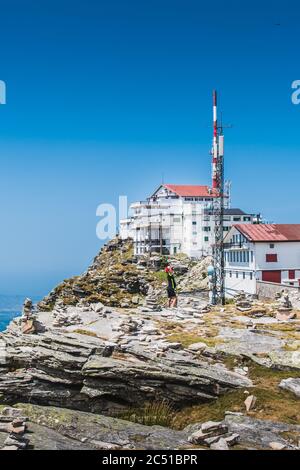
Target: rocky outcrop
x,y
53,428
114,278
130,364
119,279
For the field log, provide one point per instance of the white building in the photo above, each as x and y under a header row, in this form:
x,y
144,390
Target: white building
x,y
266,252
177,219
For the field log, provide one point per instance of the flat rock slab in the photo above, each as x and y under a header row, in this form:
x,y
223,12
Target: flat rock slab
x,y
57,428
292,385
242,341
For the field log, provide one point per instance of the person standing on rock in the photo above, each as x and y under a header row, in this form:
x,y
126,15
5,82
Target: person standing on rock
x,y
171,289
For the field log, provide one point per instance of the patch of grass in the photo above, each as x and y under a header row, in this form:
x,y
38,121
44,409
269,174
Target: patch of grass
x,y
186,339
158,412
85,332
272,403
160,276
269,378
211,341
214,410
292,346
291,436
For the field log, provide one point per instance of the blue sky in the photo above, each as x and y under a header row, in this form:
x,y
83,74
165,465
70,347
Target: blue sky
x,y
103,97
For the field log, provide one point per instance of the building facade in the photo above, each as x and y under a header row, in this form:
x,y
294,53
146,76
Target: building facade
x,y
265,252
178,219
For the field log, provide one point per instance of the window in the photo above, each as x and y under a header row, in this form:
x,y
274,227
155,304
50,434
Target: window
x,y
252,256
247,219
244,256
247,256
272,245
236,219
206,239
206,229
244,275
271,258
251,276
225,229
194,233
230,274
237,274
194,222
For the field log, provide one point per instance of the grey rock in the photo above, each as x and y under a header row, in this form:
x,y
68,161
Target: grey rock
x,y
292,385
64,369
221,444
257,433
57,428
197,346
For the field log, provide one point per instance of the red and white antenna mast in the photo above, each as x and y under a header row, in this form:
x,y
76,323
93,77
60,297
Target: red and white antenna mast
x,y
215,143
218,288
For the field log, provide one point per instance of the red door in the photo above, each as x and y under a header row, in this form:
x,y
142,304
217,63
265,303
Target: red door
x,y
291,274
271,276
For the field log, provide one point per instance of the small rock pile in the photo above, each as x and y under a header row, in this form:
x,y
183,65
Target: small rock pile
x,y
14,424
151,303
130,325
28,318
242,302
284,307
62,317
214,434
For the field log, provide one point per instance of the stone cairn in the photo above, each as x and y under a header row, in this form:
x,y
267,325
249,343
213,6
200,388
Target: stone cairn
x,y
61,316
28,318
214,434
284,307
151,303
14,424
242,302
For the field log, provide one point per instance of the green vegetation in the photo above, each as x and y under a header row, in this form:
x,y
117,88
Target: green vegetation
x,y
85,332
272,402
186,339
160,276
158,412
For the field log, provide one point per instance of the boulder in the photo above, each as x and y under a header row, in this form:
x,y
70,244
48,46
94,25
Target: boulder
x,y
292,385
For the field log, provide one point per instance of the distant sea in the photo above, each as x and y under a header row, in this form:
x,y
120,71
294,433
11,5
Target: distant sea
x,y
10,307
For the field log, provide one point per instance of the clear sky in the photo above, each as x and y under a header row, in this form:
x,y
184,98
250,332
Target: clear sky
x,y
103,97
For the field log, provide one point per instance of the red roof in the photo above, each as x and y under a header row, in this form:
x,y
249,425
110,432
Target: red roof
x,y
270,232
190,190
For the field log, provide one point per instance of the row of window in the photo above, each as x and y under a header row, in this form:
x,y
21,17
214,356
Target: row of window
x,y
239,274
238,238
198,199
238,256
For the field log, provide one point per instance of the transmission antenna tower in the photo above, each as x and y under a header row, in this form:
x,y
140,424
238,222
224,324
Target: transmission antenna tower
x,y
218,287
